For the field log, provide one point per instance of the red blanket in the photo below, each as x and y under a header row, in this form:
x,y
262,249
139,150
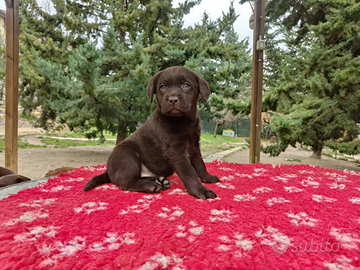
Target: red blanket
x,y
266,217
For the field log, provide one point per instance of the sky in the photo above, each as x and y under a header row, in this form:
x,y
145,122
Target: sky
x,y
214,8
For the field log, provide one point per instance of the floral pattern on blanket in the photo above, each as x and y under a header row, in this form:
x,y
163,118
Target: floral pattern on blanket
x,y
265,216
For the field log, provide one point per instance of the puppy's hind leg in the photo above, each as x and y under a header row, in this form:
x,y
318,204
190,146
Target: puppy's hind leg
x,y
124,168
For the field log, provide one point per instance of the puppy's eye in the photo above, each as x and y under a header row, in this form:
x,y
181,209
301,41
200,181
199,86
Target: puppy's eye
x,y
162,87
186,85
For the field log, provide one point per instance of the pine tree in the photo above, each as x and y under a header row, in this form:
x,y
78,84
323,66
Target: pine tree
x,y
97,87
315,84
223,61
50,35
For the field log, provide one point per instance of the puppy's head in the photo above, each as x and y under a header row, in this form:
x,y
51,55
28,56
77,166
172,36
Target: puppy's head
x,y
177,90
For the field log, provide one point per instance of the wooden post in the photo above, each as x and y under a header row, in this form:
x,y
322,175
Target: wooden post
x,y
257,81
12,85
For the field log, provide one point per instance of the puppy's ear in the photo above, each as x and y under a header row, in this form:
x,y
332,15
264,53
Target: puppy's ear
x,y
151,88
204,88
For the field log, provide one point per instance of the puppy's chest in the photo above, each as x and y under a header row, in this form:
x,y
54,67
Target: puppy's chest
x,y
183,142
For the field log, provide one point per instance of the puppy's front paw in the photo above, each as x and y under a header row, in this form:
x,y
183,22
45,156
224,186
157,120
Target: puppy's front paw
x,y
152,187
210,179
204,193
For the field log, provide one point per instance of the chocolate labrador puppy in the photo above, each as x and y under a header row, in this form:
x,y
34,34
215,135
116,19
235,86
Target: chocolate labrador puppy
x,y
8,177
168,142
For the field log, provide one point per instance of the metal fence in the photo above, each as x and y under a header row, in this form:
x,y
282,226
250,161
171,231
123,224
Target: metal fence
x,y
241,127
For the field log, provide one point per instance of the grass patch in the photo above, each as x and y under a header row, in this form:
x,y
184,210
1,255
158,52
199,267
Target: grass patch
x,y
78,135
30,117
207,137
327,154
2,145
57,143
21,145
293,159
26,145
207,142
220,143
66,135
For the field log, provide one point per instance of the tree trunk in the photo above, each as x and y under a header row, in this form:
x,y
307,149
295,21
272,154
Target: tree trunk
x,y
216,129
121,134
317,149
218,124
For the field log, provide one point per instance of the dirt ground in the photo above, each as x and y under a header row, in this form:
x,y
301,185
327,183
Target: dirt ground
x,y
295,153
36,162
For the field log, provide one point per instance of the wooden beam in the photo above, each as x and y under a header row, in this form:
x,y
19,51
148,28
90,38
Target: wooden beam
x,y
257,82
12,85
9,3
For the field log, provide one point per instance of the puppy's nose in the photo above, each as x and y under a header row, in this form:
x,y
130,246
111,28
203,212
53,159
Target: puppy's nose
x,y
173,100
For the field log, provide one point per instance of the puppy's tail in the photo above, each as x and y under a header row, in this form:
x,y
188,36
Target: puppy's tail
x,y
97,181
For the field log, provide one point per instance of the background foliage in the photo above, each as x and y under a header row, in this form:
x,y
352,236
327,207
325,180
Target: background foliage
x,y
87,63
312,74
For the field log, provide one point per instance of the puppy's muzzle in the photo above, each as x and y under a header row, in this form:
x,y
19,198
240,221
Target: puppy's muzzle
x,y
173,101
174,106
